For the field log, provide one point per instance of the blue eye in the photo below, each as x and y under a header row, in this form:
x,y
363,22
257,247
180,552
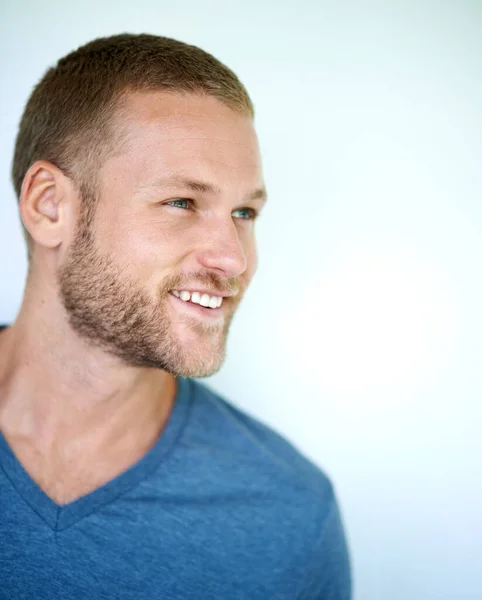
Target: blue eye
x,y
176,203
249,214
244,214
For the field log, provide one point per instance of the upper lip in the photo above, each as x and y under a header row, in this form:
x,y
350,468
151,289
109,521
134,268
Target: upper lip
x,y
208,292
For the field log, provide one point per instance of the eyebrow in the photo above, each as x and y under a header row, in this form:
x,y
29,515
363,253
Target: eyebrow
x,y
202,187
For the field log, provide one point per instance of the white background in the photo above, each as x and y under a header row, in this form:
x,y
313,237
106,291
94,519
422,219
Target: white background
x,y
360,339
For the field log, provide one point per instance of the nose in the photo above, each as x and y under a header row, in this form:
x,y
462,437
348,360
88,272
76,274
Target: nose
x,y
221,249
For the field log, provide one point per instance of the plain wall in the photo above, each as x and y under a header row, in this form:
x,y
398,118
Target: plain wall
x,y
360,339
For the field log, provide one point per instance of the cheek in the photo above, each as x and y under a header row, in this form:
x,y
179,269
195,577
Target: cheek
x,y
146,245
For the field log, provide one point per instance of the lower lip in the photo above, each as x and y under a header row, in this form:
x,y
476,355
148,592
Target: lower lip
x,y
197,309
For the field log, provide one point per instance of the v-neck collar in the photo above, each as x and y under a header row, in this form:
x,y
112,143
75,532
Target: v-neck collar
x,y
61,517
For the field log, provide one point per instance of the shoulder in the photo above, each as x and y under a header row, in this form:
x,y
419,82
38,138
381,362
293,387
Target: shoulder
x,y
292,503
234,431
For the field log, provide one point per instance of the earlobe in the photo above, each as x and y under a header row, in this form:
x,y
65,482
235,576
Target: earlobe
x,y
42,203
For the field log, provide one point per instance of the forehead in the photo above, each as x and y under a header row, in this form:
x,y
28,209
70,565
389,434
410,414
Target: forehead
x,y
162,133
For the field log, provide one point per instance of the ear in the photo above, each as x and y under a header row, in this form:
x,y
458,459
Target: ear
x,y
46,204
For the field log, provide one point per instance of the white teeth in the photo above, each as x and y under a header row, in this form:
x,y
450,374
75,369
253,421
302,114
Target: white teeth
x,y
204,299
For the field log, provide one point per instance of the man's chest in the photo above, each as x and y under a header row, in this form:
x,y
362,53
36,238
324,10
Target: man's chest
x,y
152,549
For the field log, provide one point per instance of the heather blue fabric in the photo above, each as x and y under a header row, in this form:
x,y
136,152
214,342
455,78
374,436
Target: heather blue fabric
x,y
222,507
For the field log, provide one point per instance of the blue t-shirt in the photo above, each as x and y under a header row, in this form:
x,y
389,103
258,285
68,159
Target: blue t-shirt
x,y
221,507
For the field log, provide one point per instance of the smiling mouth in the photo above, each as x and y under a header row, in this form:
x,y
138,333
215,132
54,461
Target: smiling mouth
x,y
200,305
210,301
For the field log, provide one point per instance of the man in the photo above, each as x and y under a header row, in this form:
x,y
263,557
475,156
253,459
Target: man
x,y
139,181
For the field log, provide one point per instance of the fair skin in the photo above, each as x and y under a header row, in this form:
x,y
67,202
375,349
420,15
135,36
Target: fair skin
x,y
88,371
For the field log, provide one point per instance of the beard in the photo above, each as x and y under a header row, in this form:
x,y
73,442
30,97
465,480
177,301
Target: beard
x,y
114,313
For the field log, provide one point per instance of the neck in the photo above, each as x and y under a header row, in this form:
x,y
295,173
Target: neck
x,y
57,391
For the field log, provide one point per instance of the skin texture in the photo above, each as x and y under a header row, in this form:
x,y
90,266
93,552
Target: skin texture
x,y
87,378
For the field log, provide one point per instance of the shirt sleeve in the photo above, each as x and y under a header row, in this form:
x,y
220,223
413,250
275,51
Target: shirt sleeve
x,y
328,575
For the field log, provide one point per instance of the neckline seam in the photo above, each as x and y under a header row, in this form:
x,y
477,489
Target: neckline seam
x,y
25,500
157,466
56,514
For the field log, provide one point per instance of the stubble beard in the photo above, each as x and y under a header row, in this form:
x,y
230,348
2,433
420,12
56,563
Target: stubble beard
x,y
115,314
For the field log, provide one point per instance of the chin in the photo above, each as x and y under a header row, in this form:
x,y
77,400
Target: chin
x,y
199,360
197,350
196,366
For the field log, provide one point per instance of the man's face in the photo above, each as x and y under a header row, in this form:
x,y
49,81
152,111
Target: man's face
x,y
174,221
